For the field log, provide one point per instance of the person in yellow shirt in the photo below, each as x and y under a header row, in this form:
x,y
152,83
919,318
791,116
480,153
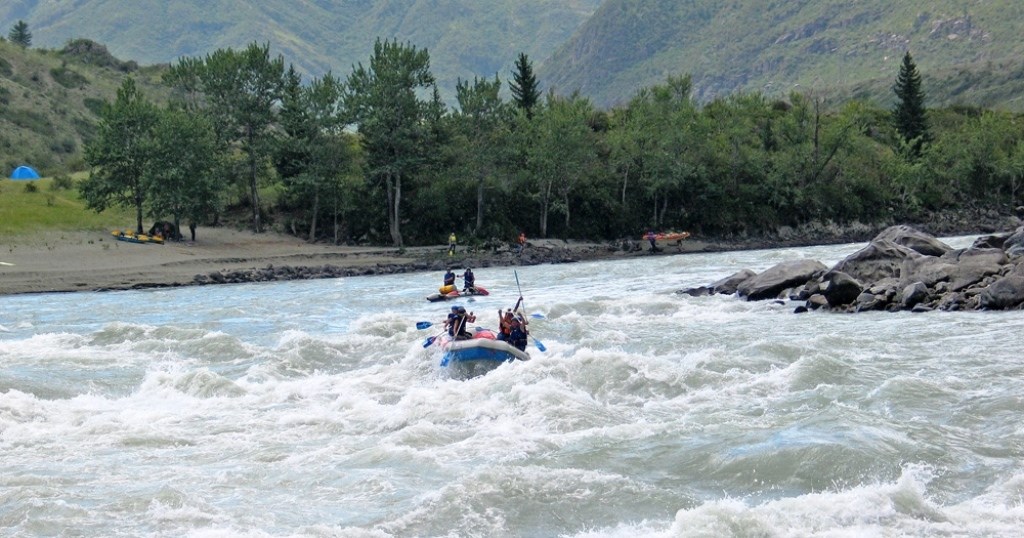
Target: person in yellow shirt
x,y
451,244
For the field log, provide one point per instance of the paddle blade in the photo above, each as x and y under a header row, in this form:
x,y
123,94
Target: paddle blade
x,y
540,345
428,341
423,324
537,315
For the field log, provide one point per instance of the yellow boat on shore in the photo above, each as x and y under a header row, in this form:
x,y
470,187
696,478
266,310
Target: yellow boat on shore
x,y
132,237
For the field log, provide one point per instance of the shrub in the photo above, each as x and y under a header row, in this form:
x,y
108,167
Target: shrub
x,y
30,186
62,182
94,105
64,145
68,78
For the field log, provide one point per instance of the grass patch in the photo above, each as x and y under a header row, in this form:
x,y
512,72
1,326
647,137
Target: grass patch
x,y
25,213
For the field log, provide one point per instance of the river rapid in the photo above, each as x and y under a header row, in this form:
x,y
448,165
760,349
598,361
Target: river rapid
x,y
311,408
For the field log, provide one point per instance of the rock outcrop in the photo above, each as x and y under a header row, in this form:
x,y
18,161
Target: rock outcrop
x,y
900,269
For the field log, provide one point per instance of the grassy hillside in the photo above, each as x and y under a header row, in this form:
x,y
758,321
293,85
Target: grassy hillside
x,y
465,38
779,46
49,102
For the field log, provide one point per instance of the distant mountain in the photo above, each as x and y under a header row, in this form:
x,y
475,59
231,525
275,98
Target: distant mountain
x,y
833,46
465,38
968,51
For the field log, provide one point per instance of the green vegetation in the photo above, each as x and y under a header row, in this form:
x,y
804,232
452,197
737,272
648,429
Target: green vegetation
x,y
50,102
524,87
909,115
379,159
19,34
49,208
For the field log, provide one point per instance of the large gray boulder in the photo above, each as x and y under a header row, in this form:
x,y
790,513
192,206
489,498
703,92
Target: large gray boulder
x,y
879,260
840,288
974,264
1014,245
913,295
775,280
1007,292
928,270
913,239
731,283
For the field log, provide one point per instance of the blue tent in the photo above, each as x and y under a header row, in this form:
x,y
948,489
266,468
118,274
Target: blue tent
x,y
24,172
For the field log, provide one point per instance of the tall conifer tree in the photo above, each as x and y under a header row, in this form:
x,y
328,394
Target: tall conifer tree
x,y
524,86
909,115
20,35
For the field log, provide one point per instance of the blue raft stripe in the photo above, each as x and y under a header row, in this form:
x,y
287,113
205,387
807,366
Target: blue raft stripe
x,y
481,350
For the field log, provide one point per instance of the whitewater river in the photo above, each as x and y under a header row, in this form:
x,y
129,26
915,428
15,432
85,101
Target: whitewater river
x,y
311,409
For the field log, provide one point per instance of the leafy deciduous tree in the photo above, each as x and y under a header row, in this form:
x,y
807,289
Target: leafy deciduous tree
x,y
182,159
394,123
561,153
241,90
482,126
119,153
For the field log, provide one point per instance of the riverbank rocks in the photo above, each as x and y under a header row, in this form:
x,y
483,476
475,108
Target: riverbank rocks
x,y
901,269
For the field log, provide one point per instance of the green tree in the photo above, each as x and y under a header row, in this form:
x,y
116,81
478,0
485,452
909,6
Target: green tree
x,y
19,34
561,154
241,90
119,153
395,124
482,134
315,154
179,178
672,145
909,115
524,86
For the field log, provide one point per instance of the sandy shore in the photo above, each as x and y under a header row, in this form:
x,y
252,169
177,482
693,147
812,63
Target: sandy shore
x,y
86,261
77,261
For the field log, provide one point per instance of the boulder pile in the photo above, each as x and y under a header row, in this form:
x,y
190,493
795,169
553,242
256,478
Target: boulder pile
x,y
900,269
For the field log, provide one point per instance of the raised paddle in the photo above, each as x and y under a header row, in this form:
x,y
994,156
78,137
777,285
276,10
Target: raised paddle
x,y
538,343
420,325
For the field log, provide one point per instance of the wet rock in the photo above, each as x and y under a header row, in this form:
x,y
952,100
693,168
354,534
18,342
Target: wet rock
x,y
913,295
1007,292
840,288
817,301
731,283
770,283
914,239
877,261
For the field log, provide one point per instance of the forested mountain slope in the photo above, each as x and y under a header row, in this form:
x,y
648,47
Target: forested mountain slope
x,y
776,46
465,38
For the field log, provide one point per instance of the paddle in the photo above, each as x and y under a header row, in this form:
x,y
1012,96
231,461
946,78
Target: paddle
x,y
428,341
420,325
540,345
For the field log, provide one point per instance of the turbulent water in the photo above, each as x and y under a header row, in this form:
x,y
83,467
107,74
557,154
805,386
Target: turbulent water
x,y
312,409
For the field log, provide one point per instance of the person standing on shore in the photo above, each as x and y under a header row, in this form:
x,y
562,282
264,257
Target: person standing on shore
x,y
653,239
451,244
521,242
